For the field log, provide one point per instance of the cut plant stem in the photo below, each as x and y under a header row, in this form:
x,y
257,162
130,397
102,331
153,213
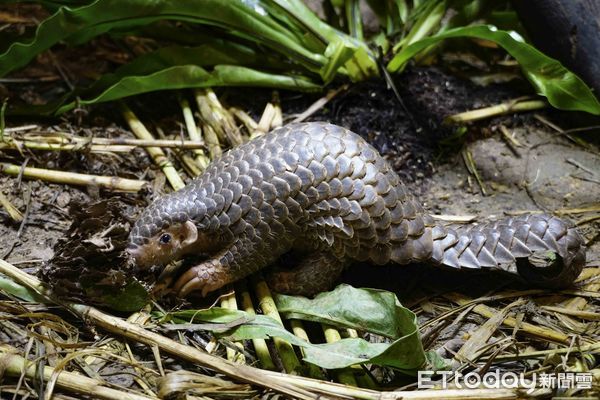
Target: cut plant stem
x,y
156,153
260,345
517,105
212,142
73,178
345,375
264,125
15,365
271,118
244,118
267,304
298,329
12,211
217,117
229,301
192,129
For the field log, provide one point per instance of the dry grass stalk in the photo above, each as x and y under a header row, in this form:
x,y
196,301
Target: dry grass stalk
x,y
12,211
72,178
508,137
15,365
193,384
75,143
194,133
509,107
470,164
217,117
460,219
159,157
212,142
480,337
489,312
244,118
317,105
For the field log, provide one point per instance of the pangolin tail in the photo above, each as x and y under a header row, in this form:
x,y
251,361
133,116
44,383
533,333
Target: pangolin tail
x,y
516,245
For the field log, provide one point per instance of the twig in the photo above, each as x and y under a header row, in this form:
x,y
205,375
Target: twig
x,y
470,163
58,143
27,199
317,105
581,166
72,178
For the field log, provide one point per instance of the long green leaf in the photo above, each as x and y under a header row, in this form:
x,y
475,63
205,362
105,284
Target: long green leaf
x,y
564,89
217,52
376,311
192,76
77,25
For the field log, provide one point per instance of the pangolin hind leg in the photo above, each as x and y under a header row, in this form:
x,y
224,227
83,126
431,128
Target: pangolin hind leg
x,y
315,272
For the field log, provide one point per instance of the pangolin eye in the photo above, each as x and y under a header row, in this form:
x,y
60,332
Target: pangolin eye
x,y
165,238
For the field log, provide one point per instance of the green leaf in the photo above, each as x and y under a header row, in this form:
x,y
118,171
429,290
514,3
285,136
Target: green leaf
x,y
401,354
215,315
78,25
9,286
372,310
369,310
564,89
192,76
131,297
